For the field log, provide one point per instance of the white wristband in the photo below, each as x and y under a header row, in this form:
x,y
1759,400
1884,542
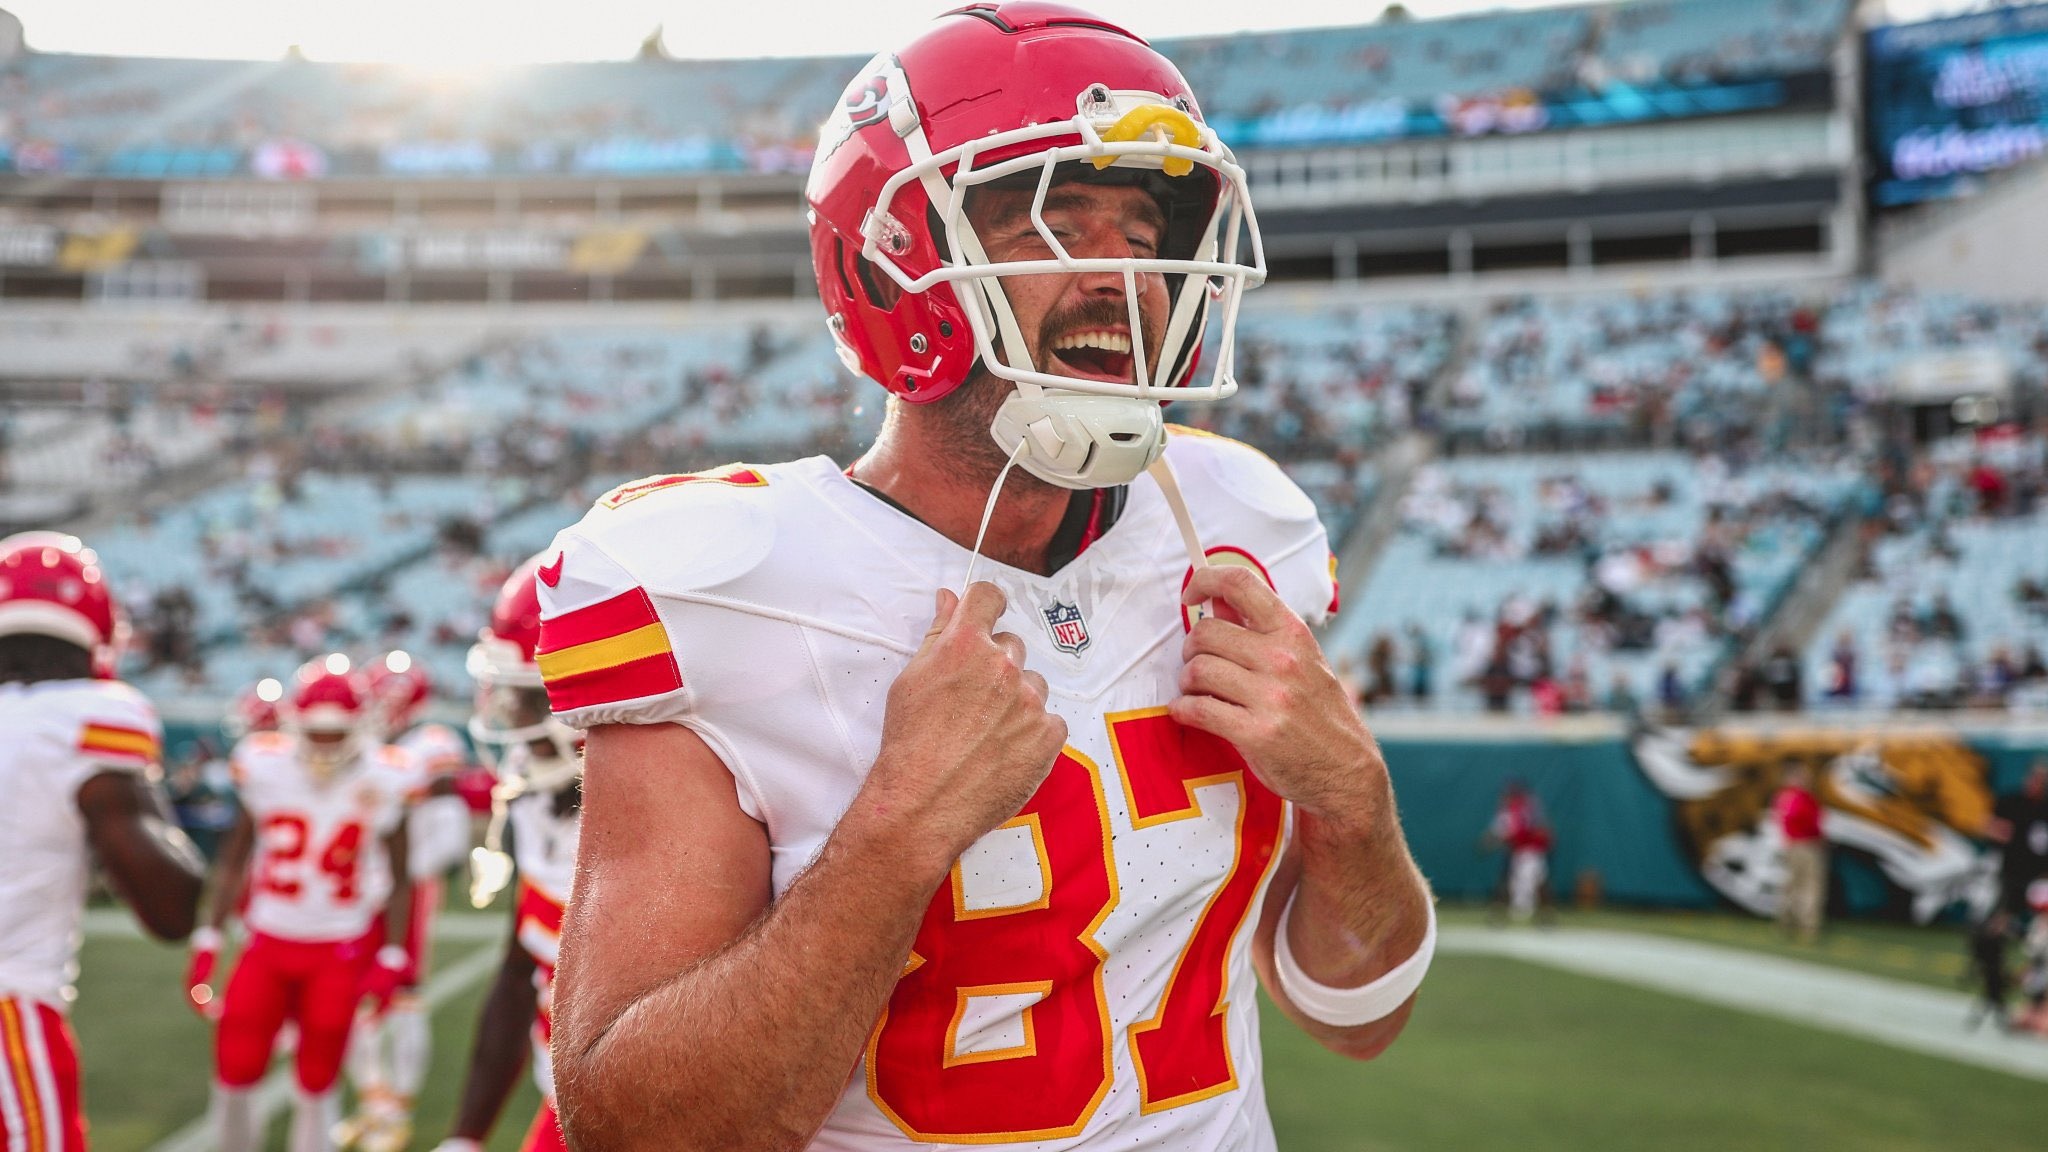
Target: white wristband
x,y
1351,1007
206,938
391,956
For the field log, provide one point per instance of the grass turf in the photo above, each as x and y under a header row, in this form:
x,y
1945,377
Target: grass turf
x,y
1499,1055
149,1060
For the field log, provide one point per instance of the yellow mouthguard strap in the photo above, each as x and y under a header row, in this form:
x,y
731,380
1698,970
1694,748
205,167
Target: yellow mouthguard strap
x,y
1161,122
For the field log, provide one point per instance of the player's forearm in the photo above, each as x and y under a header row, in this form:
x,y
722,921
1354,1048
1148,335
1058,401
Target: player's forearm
x,y
231,875
499,1055
1361,907
751,1047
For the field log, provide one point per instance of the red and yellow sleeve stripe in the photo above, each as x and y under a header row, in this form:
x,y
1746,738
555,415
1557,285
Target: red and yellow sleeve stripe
x,y
114,742
605,653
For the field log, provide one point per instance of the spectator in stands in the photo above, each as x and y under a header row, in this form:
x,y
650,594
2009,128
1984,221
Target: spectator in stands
x,y
1421,664
1621,697
1840,686
1942,623
1671,692
1781,678
1380,677
1802,898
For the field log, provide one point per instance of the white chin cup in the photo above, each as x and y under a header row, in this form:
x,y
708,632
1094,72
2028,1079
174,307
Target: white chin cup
x,y
1076,440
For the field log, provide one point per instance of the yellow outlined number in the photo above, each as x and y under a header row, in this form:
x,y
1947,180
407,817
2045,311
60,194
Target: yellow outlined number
x,y
938,1086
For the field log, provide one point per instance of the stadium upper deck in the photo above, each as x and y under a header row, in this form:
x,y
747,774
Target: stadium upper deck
x,y
1501,73
1654,130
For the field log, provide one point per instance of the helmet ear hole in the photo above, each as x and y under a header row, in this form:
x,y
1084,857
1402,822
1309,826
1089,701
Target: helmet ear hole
x,y
882,292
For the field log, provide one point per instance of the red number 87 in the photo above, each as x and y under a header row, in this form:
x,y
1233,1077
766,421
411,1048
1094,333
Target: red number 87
x,y
1045,952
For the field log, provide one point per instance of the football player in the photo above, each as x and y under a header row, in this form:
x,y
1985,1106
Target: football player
x,y
1009,851
79,765
389,1050
318,850
538,802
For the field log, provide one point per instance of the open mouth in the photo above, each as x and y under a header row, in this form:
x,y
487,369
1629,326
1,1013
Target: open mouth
x,y
1095,354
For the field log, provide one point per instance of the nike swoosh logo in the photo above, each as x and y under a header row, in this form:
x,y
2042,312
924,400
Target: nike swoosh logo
x,y
551,574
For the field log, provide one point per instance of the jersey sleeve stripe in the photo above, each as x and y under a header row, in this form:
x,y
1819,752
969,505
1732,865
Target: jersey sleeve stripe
x,y
597,655
647,676
127,743
629,611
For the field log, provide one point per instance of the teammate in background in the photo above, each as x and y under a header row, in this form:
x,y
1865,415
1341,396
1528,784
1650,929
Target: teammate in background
x,y
539,807
389,1048
256,709
1520,827
79,765
923,810
318,850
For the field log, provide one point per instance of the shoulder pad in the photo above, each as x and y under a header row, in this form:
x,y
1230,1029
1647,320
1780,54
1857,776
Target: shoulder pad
x,y
1224,467
677,533
730,475
116,725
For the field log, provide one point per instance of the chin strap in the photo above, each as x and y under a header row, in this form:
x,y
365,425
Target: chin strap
x,y
988,512
1162,475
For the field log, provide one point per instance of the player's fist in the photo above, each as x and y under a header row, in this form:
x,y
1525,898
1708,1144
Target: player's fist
x,y
199,973
966,738
386,974
458,1144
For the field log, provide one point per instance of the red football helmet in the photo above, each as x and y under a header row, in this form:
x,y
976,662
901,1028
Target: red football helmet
x,y
514,730
51,584
1025,95
257,709
400,688
331,711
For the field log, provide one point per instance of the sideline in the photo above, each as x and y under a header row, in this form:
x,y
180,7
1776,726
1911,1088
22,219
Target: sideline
x,y
1910,1016
276,1089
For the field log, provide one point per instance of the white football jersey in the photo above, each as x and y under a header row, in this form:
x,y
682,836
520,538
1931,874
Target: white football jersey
x,y
319,871
437,828
544,848
54,736
1084,979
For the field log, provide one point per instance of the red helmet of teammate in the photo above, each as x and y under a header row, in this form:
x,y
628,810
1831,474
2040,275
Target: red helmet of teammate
x,y
52,585
1025,96
400,688
257,709
330,710
514,730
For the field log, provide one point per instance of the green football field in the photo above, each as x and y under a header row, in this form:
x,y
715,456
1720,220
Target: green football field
x,y
1500,1054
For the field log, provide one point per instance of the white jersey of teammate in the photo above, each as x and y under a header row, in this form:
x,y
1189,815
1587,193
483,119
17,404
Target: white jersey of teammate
x,y
544,849
437,829
1084,979
58,735
319,871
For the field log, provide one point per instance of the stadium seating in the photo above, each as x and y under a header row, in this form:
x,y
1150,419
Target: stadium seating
x,y
1523,539
1611,362
1942,617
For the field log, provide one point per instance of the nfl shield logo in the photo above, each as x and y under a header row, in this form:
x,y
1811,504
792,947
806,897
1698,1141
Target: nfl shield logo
x,y
1069,631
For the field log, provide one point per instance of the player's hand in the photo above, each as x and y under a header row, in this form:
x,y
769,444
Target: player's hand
x,y
966,738
458,1144
1253,674
385,975
199,974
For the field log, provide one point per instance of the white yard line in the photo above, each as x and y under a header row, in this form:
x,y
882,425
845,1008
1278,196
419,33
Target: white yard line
x,y
1910,1016
276,1088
